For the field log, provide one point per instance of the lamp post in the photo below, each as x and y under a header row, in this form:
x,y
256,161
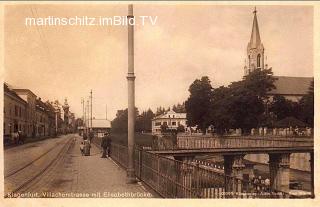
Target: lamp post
x,y
131,105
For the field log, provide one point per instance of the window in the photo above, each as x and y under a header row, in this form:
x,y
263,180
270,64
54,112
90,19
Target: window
x,y
164,123
16,110
258,61
173,123
158,124
172,116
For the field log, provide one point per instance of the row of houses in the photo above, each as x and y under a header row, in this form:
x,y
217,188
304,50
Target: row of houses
x,y
26,113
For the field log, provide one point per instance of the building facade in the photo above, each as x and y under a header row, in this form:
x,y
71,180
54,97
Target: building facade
x,y
172,119
31,117
14,112
26,113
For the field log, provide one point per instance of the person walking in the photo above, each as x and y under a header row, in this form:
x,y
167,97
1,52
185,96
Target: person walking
x,y
91,135
82,148
108,145
104,145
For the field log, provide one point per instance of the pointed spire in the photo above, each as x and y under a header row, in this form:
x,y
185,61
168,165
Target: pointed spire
x,y
255,35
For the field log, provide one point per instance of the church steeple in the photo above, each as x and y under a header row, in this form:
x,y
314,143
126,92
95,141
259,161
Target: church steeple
x,y
255,35
255,49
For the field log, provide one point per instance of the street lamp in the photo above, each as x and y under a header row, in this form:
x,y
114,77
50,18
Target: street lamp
x,y
131,106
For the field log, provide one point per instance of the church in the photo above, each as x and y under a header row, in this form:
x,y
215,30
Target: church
x,y
292,88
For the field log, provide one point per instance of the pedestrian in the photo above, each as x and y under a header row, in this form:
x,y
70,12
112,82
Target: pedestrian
x,y
108,145
87,147
104,145
267,183
91,135
82,148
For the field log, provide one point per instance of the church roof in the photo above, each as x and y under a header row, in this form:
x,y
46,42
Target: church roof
x,y
291,85
255,34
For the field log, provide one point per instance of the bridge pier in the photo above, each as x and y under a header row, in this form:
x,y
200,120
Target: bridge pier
x,y
233,169
279,165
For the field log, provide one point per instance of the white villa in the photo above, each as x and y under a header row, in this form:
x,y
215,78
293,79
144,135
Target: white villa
x,y
169,118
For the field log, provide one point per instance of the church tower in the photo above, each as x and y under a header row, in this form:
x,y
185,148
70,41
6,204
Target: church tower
x,y
255,49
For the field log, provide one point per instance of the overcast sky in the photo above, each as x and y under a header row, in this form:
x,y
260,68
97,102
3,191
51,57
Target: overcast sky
x,y
187,42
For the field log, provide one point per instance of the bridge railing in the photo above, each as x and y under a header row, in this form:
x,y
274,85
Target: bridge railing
x,y
176,179
198,142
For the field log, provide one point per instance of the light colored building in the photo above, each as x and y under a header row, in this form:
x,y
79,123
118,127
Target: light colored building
x,y
100,126
31,117
15,117
171,119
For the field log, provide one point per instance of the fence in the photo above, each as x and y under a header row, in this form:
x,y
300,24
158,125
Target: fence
x,y
176,179
192,142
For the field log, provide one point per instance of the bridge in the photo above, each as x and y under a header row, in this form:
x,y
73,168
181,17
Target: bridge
x,y
234,148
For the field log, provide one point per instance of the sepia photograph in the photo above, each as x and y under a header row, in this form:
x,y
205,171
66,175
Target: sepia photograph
x,y
158,100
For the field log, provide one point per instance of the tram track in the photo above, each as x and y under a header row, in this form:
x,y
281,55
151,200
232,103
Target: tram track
x,y
27,181
13,172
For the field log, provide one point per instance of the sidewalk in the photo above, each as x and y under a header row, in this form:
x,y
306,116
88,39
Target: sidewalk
x,y
101,177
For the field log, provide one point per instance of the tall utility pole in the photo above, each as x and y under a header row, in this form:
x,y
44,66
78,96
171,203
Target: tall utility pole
x,y
88,115
82,102
131,108
83,116
91,110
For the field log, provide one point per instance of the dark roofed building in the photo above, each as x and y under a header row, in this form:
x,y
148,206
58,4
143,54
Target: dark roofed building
x,y
292,88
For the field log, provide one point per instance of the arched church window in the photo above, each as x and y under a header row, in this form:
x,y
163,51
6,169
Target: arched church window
x,y
258,61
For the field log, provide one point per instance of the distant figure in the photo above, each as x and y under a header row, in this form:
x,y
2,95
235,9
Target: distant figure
x,y
91,135
267,184
105,142
82,148
87,147
104,145
108,145
84,135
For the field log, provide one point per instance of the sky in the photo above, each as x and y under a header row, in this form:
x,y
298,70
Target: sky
x,y
185,43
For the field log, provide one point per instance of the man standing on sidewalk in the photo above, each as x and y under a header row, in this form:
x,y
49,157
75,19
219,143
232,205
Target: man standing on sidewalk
x,y
104,145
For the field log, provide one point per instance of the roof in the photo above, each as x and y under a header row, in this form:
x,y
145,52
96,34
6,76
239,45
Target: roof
x,y
24,91
171,113
12,93
255,35
291,85
101,123
290,121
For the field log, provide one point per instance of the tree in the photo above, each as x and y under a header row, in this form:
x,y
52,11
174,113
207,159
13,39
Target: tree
x,y
120,123
282,107
199,103
144,121
242,103
164,128
307,106
180,128
179,108
160,110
